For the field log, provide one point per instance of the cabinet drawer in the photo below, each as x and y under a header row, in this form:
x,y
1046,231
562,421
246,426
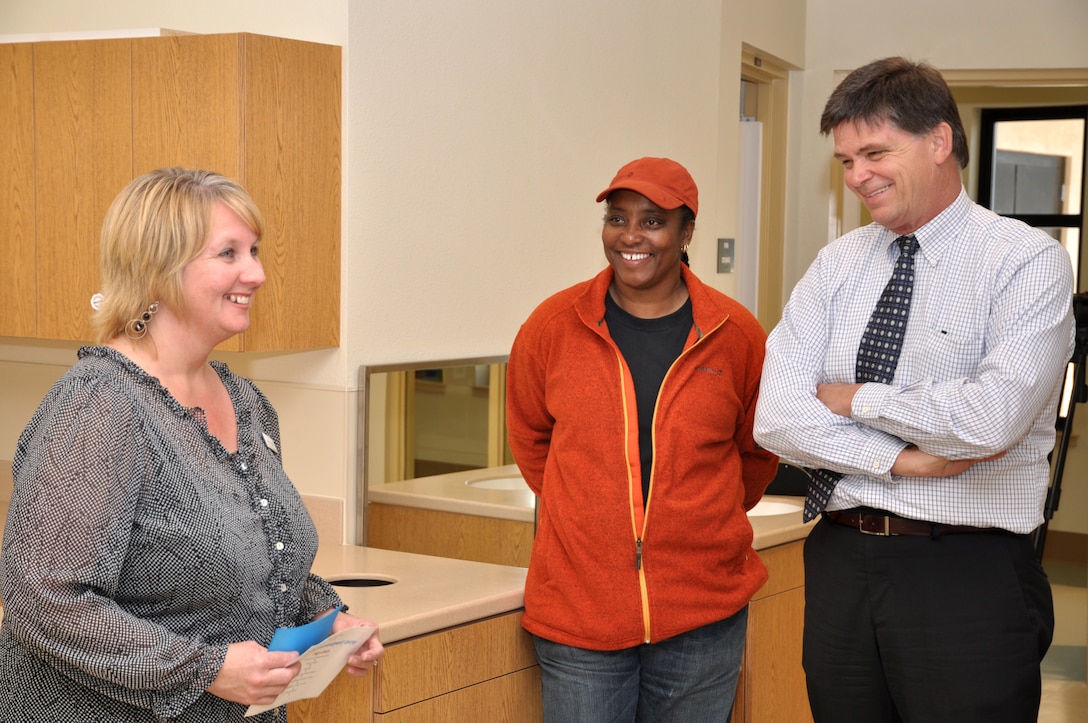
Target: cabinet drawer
x,y
484,670
433,665
346,700
513,698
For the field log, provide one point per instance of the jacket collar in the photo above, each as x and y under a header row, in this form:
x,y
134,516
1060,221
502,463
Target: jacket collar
x,y
707,308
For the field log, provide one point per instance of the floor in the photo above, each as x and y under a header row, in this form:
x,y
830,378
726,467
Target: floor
x,y
1065,690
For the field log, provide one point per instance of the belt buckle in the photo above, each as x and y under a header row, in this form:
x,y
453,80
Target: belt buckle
x,y
886,532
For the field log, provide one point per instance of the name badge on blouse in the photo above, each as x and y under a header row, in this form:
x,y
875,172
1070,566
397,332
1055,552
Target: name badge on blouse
x,y
269,443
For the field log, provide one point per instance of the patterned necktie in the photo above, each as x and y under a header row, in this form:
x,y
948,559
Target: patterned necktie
x,y
878,355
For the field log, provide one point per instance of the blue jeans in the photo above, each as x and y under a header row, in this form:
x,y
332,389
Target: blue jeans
x,y
688,678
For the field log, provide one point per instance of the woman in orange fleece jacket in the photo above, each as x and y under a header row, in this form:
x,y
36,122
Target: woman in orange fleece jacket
x,y
629,406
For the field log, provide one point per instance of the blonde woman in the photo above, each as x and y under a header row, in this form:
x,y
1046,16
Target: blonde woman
x,y
154,542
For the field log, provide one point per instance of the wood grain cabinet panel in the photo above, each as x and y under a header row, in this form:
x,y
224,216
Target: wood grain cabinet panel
x,y
90,115
346,700
513,698
17,272
483,671
83,150
772,682
448,534
293,107
265,111
432,665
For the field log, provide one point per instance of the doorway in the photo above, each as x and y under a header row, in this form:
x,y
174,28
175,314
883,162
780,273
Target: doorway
x,y
765,100
1031,166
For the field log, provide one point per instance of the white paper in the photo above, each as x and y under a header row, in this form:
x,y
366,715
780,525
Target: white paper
x,y
320,665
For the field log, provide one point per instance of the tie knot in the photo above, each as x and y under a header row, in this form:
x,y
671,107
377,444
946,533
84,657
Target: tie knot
x,y
907,244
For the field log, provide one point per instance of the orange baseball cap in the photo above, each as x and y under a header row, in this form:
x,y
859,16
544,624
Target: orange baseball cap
x,y
665,182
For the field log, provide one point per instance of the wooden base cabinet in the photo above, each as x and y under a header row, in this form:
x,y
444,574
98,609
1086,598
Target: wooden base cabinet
x,y
447,534
483,671
772,682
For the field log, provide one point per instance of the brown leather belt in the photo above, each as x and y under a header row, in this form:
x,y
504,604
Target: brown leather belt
x,y
888,525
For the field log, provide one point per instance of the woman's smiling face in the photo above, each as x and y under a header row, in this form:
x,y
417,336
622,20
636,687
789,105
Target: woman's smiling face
x,y
218,285
643,243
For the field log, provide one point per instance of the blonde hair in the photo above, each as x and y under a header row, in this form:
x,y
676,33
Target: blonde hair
x,y
153,229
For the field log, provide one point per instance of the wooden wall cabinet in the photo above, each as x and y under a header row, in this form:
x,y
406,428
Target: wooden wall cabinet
x,y
17,272
90,115
82,158
483,671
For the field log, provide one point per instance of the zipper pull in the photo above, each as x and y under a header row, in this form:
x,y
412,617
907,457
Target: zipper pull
x,y
638,554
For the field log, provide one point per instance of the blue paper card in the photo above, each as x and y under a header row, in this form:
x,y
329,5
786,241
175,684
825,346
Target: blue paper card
x,y
300,639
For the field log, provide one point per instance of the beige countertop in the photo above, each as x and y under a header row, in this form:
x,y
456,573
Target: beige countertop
x,y
500,492
468,493
778,529
432,593
429,593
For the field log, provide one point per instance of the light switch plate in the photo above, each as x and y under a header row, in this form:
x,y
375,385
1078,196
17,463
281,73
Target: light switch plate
x,y
725,255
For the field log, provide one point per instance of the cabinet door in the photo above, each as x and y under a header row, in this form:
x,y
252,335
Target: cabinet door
x,y
17,276
346,700
186,109
772,680
83,151
292,132
186,106
513,698
265,112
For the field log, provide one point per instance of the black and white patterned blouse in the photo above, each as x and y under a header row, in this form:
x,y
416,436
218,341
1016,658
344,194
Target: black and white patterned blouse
x,y
137,548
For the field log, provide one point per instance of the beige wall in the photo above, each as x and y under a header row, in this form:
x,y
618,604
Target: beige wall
x,y
478,132
476,136
954,36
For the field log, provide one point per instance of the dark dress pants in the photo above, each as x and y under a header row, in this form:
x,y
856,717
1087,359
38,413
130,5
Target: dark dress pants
x,y
924,629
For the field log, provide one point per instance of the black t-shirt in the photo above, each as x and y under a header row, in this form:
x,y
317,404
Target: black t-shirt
x,y
649,346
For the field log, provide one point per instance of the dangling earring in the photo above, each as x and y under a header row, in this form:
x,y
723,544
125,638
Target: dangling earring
x,y
137,328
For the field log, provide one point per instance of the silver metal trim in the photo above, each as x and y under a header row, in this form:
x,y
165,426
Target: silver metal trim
x,y
362,446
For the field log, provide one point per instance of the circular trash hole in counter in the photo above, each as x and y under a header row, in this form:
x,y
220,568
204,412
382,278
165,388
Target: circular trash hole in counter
x,y
361,581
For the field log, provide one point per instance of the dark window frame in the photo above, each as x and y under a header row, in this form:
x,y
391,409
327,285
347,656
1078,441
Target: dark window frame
x,y
989,118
